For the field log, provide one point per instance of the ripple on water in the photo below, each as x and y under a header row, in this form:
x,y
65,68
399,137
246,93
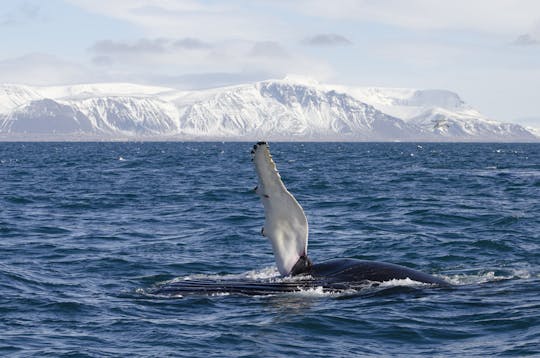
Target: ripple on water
x,y
88,229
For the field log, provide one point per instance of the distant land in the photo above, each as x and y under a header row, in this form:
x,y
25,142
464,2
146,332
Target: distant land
x,y
531,123
285,110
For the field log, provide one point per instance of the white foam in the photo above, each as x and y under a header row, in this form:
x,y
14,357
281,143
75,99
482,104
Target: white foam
x,y
468,279
219,294
260,274
320,292
487,276
270,272
403,282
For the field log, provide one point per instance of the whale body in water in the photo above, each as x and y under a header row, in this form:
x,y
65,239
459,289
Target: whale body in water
x,y
286,227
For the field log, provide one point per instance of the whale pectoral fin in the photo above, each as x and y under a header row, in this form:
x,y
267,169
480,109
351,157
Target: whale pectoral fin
x,y
285,222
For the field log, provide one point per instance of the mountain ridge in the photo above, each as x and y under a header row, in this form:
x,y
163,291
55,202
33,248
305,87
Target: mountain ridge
x,y
273,109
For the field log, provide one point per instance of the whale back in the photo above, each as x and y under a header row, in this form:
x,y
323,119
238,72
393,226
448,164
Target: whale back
x,y
285,223
353,270
338,275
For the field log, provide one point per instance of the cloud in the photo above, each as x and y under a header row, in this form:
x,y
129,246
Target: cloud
x,y
41,69
190,43
110,47
268,49
215,20
526,40
103,61
45,69
149,51
147,46
23,12
30,10
326,40
160,57
198,36
529,39
486,16
257,19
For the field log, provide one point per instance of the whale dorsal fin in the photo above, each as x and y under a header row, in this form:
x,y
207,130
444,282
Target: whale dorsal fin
x,y
285,222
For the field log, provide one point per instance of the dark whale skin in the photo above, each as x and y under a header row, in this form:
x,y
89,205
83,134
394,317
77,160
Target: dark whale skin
x,y
332,275
353,270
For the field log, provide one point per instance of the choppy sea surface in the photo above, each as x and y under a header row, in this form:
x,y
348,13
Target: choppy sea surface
x,y
87,230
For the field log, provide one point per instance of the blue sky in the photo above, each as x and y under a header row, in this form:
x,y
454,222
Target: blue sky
x,y
487,51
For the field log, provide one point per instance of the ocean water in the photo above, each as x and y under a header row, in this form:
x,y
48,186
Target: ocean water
x,y
87,230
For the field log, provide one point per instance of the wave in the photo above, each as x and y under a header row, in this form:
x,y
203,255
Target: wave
x,y
487,276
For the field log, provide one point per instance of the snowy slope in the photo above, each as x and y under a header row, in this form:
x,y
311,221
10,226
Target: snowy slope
x,y
440,114
13,96
128,115
278,110
275,109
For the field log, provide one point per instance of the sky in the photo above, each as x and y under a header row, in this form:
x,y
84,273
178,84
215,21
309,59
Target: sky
x,y
486,51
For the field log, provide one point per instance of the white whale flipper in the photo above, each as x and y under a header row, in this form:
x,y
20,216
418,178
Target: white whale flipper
x,y
285,222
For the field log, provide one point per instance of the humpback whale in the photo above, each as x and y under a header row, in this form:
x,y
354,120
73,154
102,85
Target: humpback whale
x,y
286,227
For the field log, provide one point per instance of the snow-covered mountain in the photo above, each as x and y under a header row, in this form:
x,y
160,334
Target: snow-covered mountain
x,y
440,114
275,110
